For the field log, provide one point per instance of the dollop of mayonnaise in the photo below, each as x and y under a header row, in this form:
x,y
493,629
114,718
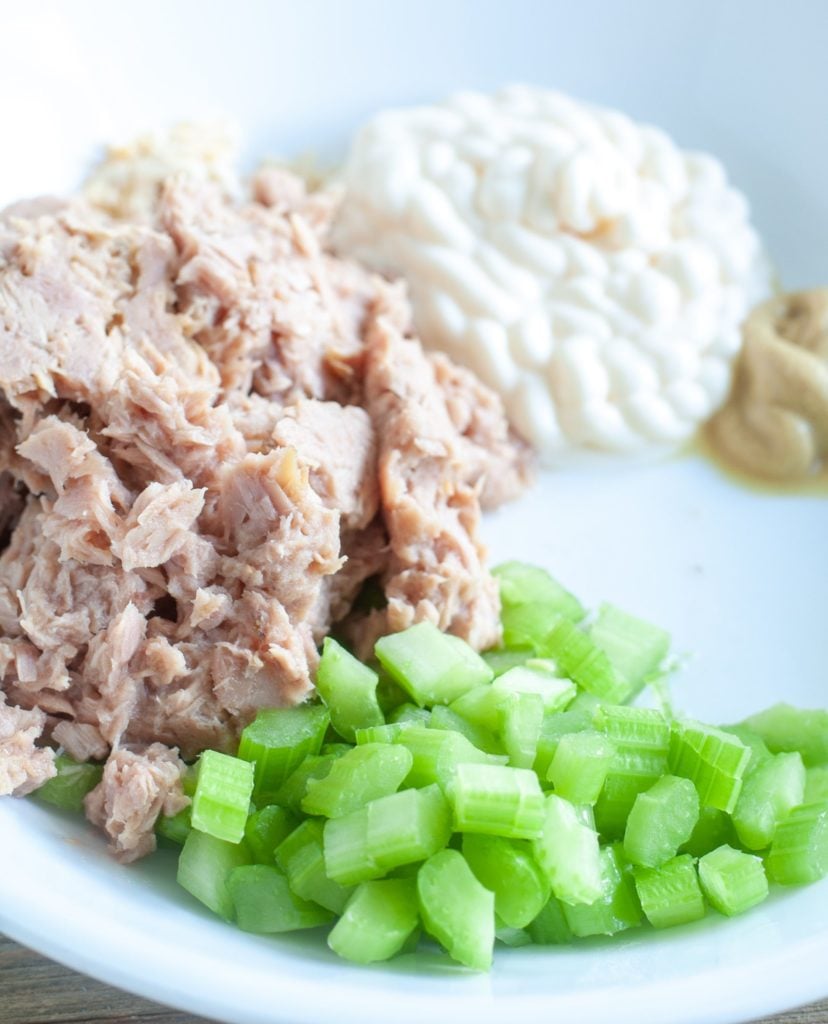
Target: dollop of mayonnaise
x,y
584,266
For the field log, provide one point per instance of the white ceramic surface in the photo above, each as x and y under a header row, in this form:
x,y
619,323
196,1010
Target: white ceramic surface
x,y
737,575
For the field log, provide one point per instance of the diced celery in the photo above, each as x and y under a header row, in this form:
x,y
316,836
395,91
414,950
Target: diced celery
x,y
816,784
221,801
407,827
530,599
580,765
204,867
436,754
433,667
363,774
456,909
378,921
348,689
714,760
508,869
785,728
498,801
731,880
336,749
553,727
481,707
301,857
345,849
632,771
549,927
175,827
381,733
446,719
500,661
390,694
555,692
799,853
758,747
635,648
635,728
512,937
580,658
278,740
410,713
670,894
661,820
770,791
616,908
266,829
295,787
70,785
265,903
567,852
713,829
521,718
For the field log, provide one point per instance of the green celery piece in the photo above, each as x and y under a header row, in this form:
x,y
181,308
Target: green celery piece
x,y
265,903
785,729
378,921
447,720
175,827
410,713
634,647
553,727
799,853
512,937
713,829
670,894
732,881
500,661
497,800
530,599
521,719
816,784
295,787
300,856
507,868
204,866
581,660
579,767
432,667
634,728
456,909
349,690
390,694
758,748
221,801
567,852
770,791
662,819
266,829
68,788
363,774
335,749
345,849
556,693
616,908
550,928
632,771
407,827
381,733
714,760
481,707
436,754
278,740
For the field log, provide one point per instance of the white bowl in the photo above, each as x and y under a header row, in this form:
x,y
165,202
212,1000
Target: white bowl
x,y
738,575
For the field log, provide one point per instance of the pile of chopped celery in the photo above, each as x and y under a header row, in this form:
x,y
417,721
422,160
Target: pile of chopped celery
x,y
513,797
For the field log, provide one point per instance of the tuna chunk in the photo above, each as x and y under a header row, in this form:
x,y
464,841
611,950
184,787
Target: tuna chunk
x,y
437,570
23,766
135,789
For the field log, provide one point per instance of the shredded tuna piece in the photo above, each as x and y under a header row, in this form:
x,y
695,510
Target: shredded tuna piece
x,y
23,766
213,432
135,789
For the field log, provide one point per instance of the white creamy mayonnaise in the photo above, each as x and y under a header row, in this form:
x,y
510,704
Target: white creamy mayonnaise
x,y
584,266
